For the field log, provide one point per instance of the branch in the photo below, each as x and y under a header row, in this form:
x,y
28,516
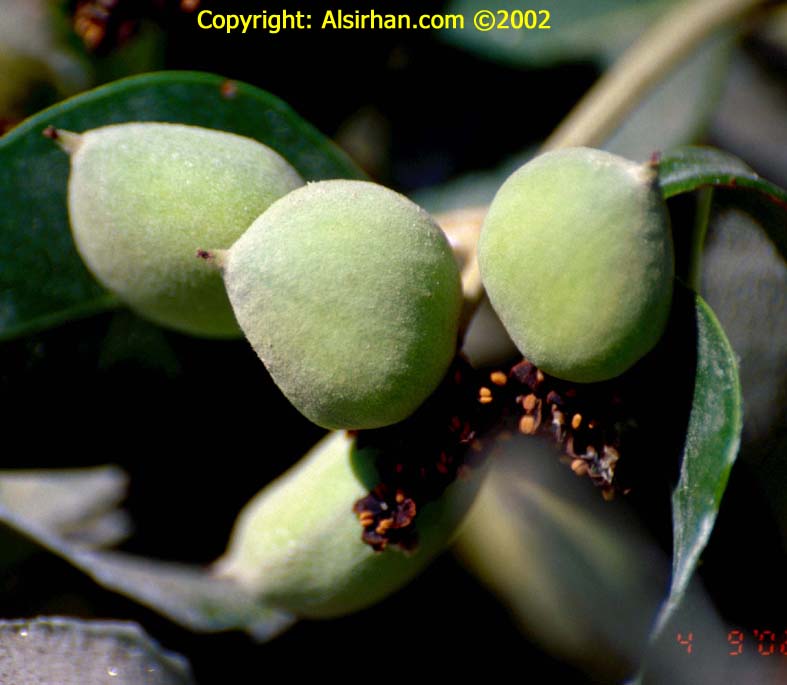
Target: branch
x,y
641,67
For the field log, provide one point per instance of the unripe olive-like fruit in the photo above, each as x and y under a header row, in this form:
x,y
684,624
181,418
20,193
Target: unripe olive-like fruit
x,y
143,197
351,296
297,545
576,257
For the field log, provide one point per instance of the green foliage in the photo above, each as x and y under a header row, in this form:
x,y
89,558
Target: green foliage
x,y
690,168
43,282
526,529
711,447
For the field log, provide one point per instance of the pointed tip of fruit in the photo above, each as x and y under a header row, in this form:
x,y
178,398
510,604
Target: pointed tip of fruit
x,y
216,258
67,140
649,171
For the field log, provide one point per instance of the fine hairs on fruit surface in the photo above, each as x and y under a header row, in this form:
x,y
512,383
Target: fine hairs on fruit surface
x,y
297,545
143,197
350,295
576,256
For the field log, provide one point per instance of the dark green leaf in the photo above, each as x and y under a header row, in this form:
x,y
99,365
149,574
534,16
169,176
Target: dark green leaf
x,y
686,169
42,279
691,167
712,441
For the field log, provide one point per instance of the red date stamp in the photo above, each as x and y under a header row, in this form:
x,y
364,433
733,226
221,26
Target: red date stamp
x,y
765,641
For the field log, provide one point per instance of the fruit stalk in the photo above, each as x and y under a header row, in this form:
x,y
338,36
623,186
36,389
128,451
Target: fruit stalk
x,y
641,67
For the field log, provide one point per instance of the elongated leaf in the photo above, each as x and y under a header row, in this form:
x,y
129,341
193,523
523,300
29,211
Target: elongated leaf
x,y
712,441
547,564
42,279
68,651
78,504
689,168
187,595
559,557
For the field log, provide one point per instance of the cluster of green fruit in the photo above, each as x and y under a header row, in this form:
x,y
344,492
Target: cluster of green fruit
x,y
351,296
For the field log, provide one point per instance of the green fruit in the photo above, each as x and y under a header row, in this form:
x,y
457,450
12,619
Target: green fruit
x,y
576,257
351,296
143,197
297,545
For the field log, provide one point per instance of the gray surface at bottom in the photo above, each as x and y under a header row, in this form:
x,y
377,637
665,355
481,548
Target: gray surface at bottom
x,y
64,651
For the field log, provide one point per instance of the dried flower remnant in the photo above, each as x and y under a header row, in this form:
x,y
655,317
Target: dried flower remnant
x,y
104,25
587,421
387,520
423,456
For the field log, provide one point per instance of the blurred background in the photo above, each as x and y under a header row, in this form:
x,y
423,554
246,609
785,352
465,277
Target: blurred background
x,y
443,117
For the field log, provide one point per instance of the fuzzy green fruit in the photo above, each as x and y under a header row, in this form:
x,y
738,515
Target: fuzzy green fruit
x,y
351,296
576,257
143,197
297,545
